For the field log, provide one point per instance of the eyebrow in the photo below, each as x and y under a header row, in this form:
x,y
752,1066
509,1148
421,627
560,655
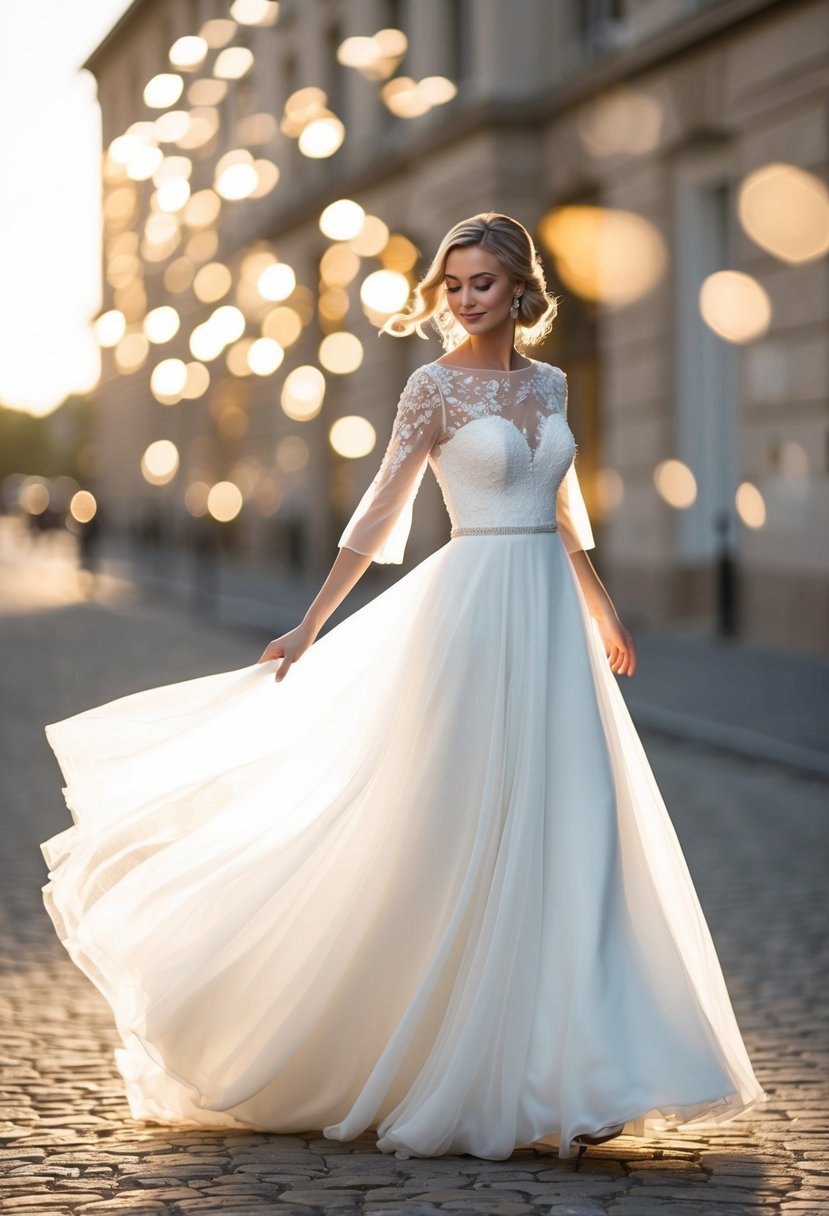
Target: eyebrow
x,y
491,273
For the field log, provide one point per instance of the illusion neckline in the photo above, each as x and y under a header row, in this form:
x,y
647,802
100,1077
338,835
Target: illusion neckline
x,y
487,371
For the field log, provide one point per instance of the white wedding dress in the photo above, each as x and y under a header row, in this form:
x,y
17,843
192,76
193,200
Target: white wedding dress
x,y
427,884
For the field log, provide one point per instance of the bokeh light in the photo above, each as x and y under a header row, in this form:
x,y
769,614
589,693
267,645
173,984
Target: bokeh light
x,y
172,126
160,462
254,12
734,305
173,168
131,352
168,379
197,382
203,125
188,51
83,506
282,324
675,483
236,358
233,63
750,505
235,175
204,92
202,209
178,276
163,90
172,195
195,498
144,162
33,495
212,282
604,255
624,121
292,454
352,436
265,356
218,32
109,327
399,253
341,353
339,265
342,220
372,239
384,291
224,501
267,175
785,210
202,245
161,324
374,57
276,282
322,136
303,393
228,322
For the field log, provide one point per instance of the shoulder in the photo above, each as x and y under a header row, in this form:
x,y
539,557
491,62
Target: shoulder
x,y
549,370
421,391
423,382
553,377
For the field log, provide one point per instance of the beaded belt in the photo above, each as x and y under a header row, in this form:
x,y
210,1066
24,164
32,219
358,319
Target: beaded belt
x,y
506,528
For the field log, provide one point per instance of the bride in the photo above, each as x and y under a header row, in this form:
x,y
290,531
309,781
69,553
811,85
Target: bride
x,y
427,885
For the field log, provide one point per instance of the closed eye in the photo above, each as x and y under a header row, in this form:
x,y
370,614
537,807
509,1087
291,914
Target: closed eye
x,y
481,287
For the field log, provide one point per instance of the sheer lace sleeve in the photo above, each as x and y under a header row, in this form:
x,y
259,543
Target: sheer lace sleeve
x,y
571,511
382,520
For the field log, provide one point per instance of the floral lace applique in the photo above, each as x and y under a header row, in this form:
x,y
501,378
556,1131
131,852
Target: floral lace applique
x,y
415,421
524,400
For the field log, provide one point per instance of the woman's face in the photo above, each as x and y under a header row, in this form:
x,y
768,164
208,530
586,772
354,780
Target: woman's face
x,y
478,289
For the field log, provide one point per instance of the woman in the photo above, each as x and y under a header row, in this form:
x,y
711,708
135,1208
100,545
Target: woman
x,y
428,885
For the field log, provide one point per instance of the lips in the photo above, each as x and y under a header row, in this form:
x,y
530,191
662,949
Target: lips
x,y
471,316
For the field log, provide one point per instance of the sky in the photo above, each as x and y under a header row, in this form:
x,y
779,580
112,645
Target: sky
x,y
50,216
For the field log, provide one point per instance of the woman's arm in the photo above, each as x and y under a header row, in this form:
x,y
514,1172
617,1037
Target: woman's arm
x,y
379,526
618,643
349,567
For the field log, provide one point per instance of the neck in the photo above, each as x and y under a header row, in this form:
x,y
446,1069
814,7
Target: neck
x,y
496,350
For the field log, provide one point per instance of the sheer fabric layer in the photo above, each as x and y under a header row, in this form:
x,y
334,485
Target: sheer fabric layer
x,y
427,885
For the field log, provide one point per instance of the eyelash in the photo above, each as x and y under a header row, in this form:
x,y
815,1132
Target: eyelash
x,y
450,290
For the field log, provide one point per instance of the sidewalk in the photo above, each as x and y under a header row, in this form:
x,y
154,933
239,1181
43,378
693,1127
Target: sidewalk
x,y
752,700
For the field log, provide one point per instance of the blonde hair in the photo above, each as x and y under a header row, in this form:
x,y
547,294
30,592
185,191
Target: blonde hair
x,y
514,247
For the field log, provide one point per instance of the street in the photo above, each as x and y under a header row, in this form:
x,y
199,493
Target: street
x,y
754,834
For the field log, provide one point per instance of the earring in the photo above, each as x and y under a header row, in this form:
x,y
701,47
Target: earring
x,y
516,304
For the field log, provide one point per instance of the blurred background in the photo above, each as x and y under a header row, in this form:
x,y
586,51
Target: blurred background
x,y
215,205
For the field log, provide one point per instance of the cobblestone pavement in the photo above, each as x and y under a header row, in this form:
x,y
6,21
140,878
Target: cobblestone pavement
x,y
754,835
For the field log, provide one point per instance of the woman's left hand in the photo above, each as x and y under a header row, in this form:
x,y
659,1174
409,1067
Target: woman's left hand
x,y
618,644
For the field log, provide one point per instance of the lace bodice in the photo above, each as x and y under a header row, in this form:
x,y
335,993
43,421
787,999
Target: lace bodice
x,y
500,448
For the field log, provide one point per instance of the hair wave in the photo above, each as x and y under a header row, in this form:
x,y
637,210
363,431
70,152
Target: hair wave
x,y
515,249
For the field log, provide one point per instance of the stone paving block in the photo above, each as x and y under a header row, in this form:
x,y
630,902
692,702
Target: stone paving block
x,y
41,1199
412,1208
487,1208
576,1209
128,1206
670,1207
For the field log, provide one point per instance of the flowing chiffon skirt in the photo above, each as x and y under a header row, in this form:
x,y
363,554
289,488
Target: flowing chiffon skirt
x,y
426,885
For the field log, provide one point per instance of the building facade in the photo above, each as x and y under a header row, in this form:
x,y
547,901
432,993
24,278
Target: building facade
x,y
669,157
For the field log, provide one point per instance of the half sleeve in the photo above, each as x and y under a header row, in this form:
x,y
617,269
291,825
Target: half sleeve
x,y
571,511
382,520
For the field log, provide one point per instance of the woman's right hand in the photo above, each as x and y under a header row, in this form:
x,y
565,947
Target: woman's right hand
x,y
290,647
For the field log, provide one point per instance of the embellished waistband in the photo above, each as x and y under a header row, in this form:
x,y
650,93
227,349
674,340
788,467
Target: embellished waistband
x,y
504,529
